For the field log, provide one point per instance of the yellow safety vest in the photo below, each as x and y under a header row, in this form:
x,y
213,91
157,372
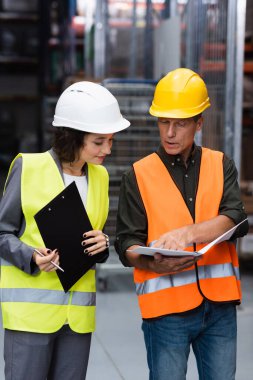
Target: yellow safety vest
x,y
37,303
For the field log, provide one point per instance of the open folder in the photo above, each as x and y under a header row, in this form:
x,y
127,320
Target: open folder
x,y
62,223
150,251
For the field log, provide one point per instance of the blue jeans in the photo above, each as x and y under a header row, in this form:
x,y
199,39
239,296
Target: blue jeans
x,y
211,329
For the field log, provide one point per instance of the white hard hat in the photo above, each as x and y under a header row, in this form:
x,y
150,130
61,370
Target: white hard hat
x,y
89,107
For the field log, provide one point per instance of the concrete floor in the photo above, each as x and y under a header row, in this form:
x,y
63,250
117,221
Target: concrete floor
x,y
118,351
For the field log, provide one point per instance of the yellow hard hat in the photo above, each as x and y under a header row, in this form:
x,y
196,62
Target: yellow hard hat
x,y
180,94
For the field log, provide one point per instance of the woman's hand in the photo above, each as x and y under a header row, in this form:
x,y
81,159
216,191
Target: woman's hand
x,y
98,239
43,262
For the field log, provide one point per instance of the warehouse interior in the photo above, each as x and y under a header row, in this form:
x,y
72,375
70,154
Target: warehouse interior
x,y
127,46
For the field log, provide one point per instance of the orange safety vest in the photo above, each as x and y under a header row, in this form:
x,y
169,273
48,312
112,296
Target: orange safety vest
x,y
218,270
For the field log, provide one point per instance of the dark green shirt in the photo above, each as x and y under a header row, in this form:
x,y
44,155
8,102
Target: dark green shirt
x,y
132,219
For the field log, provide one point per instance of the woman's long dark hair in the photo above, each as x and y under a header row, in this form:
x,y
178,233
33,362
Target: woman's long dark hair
x,y
67,143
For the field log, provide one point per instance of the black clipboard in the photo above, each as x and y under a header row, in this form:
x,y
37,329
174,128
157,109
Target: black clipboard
x,y
62,223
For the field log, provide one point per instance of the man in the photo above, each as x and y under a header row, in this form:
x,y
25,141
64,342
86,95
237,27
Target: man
x,y
183,196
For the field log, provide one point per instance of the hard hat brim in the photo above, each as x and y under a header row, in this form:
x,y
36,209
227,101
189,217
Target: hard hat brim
x,y
179,113
118,126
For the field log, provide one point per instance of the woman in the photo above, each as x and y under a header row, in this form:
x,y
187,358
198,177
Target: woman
x,y
48,331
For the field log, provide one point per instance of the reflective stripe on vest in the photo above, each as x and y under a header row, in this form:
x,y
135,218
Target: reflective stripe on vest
x,y
44,296
29,299
186,277
218,269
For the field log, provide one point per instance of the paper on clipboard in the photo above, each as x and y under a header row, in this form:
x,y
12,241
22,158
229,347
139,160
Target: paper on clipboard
x,y
150,251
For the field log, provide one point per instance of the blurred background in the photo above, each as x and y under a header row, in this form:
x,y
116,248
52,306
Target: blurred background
x,y
128,46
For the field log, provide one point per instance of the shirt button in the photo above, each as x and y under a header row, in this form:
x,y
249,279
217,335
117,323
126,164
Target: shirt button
x,y
193,162
190,199
178,159
172,163
186,175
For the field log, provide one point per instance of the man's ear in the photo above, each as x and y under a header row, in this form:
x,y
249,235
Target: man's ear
x,y
199,124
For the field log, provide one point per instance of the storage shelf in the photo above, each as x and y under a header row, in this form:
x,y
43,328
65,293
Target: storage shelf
x,y
18,98
213,66
248,123
208,64
248,48
248,105
18,16
248,66
221,66
17,59
54,42
215,49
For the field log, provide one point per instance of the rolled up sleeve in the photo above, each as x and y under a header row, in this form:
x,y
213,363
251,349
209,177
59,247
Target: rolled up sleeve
x,y
231,204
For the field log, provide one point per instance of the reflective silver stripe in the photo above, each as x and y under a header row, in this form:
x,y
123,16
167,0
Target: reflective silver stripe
x,y
218,271
54,297
237,273
185,278
84,299
164,282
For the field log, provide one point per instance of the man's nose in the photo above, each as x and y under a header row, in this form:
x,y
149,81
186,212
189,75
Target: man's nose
x,y
171,132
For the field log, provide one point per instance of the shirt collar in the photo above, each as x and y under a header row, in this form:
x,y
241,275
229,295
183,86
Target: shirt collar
x,y
177,159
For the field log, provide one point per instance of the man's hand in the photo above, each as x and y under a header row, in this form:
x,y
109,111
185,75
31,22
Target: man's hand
x,y
198,233
159,263
164,264
177,239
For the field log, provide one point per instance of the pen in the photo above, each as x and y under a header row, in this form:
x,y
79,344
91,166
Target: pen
x,y
41,254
